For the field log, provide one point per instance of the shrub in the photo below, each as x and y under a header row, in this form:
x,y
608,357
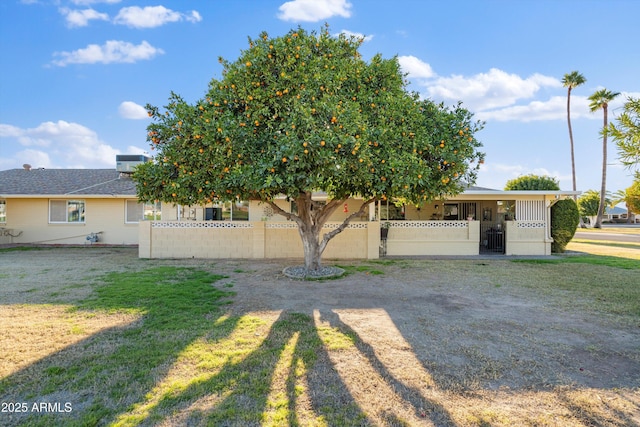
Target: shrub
x,y
564,222
532,182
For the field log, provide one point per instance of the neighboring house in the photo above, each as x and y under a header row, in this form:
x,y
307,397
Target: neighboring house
x,y
86,206
617,214
71,206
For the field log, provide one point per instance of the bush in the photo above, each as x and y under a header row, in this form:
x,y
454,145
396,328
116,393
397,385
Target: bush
x,y
564,222
532,182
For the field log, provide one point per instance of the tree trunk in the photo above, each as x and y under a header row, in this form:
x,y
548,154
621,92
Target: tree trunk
x,y
311,247
573,161
603,187
573,158
310,219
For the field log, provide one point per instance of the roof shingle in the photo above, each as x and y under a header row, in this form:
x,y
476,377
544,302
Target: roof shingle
x,y
65,181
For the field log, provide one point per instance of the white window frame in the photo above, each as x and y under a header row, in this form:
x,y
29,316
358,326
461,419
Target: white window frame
x,y
68,204
155,208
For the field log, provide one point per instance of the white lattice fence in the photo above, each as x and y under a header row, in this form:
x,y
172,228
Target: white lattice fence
x,y
530,210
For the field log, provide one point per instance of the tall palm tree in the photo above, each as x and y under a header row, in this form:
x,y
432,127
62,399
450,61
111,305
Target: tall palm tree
x,y
570,81
601,99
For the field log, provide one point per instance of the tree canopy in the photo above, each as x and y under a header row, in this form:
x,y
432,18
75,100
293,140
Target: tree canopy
x,y
588,203
626,134
301,113
532,182
632,197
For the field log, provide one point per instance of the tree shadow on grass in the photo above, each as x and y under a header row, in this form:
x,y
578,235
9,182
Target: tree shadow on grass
x,y
422,406
288,374
125,375
116,367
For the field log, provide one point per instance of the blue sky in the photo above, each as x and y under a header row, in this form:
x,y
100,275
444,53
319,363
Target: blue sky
x,y
76,73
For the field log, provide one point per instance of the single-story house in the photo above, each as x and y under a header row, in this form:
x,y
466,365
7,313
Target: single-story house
x,y
617,214
87,206
71,206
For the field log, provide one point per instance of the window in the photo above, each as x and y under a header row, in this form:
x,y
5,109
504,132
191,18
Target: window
x,y
136,211
66,211
235,211
450,211
391,211
3,211
153,211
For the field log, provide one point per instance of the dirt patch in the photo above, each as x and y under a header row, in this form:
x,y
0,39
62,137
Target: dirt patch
x,y
455,342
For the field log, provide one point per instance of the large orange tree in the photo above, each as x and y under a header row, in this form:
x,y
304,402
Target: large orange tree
x,y
305,112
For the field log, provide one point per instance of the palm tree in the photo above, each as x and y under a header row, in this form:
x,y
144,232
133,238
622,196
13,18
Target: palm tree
x,y
601,99
570,81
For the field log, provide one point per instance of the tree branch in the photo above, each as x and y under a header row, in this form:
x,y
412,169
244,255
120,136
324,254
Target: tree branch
x,y
326,211
290,216
330,235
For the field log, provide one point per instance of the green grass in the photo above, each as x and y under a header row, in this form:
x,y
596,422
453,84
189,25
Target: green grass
x,y
367,269
606,285
21,248
603,260
175,305
607,243
183,347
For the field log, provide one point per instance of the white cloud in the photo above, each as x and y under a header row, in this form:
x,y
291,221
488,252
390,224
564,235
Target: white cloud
x,y
314,10
70,144
152,16
81,18
415,68
110,52
496,175
7,131
35,158
89,2
349,34
554,108
494,89
133,111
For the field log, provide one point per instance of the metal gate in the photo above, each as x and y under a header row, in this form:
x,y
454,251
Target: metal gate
x,y
492,237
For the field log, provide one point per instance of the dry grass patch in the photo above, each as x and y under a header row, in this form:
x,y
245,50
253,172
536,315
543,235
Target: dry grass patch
x,y
34,332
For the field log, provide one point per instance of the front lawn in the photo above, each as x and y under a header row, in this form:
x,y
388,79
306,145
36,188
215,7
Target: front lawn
x,y
103,338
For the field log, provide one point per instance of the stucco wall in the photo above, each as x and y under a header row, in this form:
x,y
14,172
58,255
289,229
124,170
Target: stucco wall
x,y
31,218
433,238
260,239
527,238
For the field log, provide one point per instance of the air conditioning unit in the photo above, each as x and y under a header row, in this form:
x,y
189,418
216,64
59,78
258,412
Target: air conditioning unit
x,y
127,162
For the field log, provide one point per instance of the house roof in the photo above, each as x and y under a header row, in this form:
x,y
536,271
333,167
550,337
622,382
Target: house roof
x,y
65,182
614,210
110,182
